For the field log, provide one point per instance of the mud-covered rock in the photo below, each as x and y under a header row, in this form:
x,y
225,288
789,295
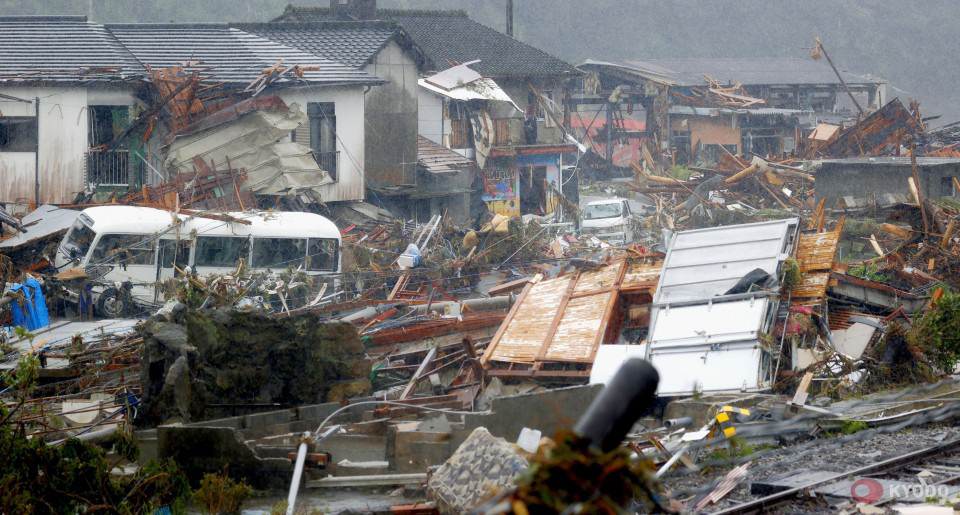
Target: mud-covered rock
x,y
229,358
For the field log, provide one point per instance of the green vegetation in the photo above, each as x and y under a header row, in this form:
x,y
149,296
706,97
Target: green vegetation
x,y
850,427
869,271
937,333
681,173
218,493
75,476
791,273
736,448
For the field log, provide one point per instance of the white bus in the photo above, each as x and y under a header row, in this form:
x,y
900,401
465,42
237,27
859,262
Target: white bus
x,y
143,246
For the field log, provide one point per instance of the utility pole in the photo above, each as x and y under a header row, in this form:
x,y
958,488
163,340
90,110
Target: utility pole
x,y
509,17
819,49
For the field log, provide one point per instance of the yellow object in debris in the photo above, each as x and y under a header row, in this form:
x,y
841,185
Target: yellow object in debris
x,y
471,240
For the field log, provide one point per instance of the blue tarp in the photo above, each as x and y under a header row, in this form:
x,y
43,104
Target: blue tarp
x,y
34,315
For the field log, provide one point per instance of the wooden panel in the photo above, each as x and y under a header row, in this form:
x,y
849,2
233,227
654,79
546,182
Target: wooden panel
x,y
813,287
641,273
578,329
816,251
599,279
524,335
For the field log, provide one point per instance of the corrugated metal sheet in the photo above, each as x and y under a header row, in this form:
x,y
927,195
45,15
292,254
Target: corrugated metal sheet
x,y
43,222
703,263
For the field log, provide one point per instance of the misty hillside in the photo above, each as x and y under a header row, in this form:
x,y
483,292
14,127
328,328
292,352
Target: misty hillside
x,y
911,44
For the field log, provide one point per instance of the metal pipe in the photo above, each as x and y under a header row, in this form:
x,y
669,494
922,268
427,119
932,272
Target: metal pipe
x,y
297,472
489,304
673,459
298,466
678,422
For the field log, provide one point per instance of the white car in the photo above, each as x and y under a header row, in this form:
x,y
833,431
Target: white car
x,y
611,220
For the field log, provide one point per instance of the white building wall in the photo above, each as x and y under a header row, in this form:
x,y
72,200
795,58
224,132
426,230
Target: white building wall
x,y
349,105
63,141
431,121
63,144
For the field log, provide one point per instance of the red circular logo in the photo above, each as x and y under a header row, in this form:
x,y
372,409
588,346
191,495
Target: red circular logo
x,y
866,490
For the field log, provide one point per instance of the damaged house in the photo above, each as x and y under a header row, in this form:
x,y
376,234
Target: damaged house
x,y
288,121
486,96
695,106
67,88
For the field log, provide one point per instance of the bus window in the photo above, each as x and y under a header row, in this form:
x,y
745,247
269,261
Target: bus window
x,y
124,249
278,252
322,254
221,251
174,252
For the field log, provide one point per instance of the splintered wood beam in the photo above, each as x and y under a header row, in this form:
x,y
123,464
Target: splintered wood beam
x,y
422,369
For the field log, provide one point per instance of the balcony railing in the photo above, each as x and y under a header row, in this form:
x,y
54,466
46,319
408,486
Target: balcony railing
x,y
108,168
329,162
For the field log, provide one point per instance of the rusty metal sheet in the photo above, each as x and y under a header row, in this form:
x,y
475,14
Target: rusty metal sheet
x,y
816,251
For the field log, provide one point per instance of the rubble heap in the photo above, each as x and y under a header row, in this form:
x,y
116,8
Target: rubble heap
x,y
199,363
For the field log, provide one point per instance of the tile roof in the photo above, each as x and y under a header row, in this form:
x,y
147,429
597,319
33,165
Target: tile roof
x,y
436,158
238,56
746,71
60,48
448,38
352,43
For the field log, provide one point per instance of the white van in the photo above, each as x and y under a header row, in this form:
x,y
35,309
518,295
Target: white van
x,y
143,245
611,220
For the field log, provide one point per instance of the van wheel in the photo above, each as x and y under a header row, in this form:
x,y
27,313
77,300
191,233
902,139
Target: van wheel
x,y
112,304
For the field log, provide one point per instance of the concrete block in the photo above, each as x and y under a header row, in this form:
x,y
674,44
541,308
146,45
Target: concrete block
x,y
548,411
204,450
419,456
231,422
269,418
356,447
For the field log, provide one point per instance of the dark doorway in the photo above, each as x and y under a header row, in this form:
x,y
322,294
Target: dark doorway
x,y
533,190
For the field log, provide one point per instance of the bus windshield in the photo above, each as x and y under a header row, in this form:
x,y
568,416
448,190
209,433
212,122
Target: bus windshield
x,y
78,243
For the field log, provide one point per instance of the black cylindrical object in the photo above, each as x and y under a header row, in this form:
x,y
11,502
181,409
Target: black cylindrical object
x,y
612,414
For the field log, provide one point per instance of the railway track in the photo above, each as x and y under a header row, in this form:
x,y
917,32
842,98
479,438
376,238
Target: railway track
x,y
929,473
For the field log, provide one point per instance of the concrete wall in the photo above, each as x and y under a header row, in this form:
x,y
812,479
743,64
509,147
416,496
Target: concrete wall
x,y
392,119
547,411
349,106
63,127
859,180
547,131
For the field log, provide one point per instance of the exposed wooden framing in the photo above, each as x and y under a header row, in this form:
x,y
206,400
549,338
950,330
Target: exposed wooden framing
x,y
916,181
508,287
562,374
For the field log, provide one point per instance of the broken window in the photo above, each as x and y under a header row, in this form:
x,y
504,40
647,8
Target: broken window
x,y
174,253
322,254
278,252
79,241
946,187
323,135
18,134
124,249
221,251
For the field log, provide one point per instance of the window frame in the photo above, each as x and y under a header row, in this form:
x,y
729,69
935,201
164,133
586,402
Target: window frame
x,y
4,147
282,265
125,262
336,256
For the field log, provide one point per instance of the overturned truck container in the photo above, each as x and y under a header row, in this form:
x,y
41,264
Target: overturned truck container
x,y
716,304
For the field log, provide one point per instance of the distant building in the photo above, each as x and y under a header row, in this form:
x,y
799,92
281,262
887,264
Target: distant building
x,y
694,106
529,120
